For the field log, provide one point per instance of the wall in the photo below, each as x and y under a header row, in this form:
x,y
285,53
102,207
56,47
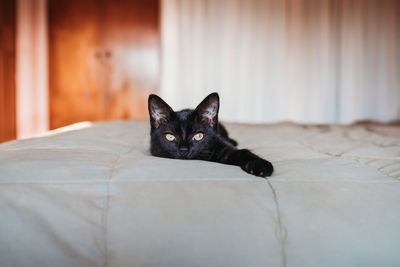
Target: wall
x,y
7,70
104,59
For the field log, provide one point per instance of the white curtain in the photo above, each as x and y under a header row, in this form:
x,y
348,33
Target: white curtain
x,y
315,61
31,68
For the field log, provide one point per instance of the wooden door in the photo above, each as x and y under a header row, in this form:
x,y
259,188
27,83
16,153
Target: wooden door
x,y
7,70
103,59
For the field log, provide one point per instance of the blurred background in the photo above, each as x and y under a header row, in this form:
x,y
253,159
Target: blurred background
x,y
308,61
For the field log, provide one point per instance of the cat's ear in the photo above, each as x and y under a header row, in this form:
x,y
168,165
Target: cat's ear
x,y
208,109
159,111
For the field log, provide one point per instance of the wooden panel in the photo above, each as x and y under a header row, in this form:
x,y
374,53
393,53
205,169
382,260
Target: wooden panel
x,y
103,59
7,70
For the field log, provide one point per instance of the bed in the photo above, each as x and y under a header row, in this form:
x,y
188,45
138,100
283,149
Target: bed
x,y
95,197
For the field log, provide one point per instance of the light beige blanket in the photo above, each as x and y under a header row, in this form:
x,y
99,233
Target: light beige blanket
x,y
95,197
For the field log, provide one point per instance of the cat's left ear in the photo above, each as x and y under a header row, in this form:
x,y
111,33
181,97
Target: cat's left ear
x,y
159,111
208,109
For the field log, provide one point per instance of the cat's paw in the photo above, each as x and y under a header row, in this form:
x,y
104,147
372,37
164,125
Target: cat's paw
x,y
258,167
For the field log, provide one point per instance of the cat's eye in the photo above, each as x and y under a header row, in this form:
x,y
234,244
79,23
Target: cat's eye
x,y
170,137
198,136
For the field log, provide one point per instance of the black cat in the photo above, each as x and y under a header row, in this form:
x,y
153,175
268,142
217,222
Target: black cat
x,y
196,134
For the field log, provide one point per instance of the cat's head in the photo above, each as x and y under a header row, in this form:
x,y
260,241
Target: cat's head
x,y
185,134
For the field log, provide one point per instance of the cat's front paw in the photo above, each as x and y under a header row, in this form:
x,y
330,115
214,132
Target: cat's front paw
x,y
258,167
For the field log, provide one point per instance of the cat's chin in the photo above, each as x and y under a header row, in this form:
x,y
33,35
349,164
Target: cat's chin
x,y
183,156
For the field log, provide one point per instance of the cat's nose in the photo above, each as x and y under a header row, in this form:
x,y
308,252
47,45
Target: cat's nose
x,y
183,149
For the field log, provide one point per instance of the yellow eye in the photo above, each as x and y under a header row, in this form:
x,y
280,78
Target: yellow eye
x,y
198,136
170,137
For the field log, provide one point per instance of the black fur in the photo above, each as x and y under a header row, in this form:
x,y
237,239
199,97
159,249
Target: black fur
x,y
185,124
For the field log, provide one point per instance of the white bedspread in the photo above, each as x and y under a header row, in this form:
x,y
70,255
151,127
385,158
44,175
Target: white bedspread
x,y
95,197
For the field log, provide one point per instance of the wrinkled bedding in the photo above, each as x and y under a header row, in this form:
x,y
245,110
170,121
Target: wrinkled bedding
x,y
95,197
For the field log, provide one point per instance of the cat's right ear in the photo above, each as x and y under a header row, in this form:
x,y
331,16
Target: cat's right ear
x,y
208,109
159,111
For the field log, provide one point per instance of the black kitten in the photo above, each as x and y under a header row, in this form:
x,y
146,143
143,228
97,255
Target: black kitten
x,y
196,134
